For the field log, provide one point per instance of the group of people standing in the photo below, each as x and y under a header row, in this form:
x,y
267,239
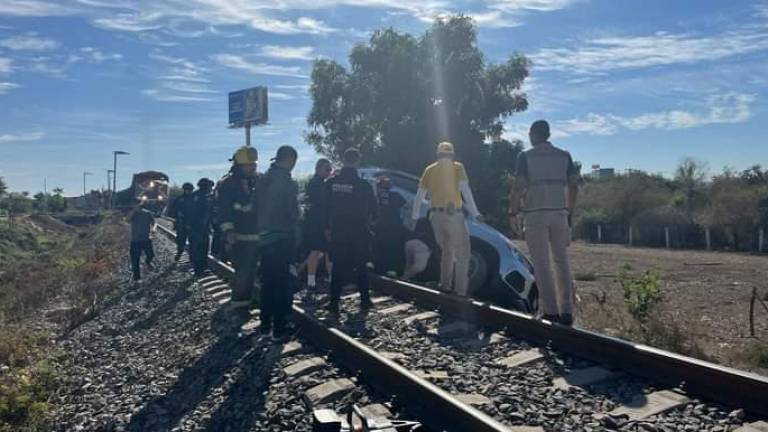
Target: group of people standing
x,y
257,217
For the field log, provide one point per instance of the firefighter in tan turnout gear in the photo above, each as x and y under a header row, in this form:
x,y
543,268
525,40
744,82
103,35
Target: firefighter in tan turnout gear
x,y
237,204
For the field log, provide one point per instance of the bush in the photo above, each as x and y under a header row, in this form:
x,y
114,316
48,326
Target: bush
x,y
25,388
23,399
756,354
641,293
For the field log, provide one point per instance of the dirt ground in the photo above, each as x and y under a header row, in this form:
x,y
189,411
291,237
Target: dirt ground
x,y
705,294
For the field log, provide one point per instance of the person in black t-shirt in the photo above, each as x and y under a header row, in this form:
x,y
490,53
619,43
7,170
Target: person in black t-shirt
x,y
389,233
314,231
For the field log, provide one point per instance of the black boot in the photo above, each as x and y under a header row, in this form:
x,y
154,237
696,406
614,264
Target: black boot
x,y
333,307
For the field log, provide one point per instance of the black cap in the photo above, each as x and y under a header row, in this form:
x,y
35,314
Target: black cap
x,y
285,152
204,182
187,186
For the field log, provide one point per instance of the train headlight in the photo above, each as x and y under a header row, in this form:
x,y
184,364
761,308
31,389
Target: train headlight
x,y
160,198
152,184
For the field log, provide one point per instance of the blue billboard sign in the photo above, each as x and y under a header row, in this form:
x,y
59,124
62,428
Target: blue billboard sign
x,y
249,106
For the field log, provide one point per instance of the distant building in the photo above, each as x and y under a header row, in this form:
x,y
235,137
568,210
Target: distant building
x,y
600,173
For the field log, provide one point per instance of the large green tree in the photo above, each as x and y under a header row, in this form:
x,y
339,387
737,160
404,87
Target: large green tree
x,y
401,95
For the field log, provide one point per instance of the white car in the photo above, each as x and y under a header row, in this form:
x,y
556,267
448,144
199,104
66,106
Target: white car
x,y
498,271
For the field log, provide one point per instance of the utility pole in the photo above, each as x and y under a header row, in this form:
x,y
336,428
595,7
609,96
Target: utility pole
x,y
115,153
85,173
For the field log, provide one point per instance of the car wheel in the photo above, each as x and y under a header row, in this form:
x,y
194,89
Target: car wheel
x,y
533,300
478,271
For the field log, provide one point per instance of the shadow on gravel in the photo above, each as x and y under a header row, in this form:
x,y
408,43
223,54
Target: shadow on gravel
x,y
245,402
197,381
181,294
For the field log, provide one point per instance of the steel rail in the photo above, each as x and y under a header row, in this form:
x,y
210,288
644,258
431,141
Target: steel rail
x,y
700,378
434,407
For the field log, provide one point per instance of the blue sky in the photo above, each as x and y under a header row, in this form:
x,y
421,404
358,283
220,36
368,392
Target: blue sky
x,y
626,84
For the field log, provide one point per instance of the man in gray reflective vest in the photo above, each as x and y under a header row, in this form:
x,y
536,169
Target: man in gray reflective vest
x,y
546,185
236,205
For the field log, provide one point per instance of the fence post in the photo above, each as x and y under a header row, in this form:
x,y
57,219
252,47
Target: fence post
x,y
666,237
708,236
761,240
631,242
599,233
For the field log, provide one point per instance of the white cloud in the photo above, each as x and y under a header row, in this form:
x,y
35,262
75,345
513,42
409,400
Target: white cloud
x,y
29,43
164,96
281,96
724,108
288,52
33,8
601,55
5,87
534,5
46,65
127,22
193,18
6,65
178,19
93,55
21,137
187,87
240,63
593,124
180,69
494,19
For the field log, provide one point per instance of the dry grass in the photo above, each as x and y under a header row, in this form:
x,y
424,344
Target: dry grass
x,y
56,268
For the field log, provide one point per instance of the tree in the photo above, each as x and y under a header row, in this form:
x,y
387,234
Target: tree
x,y
492,184
3,187
755,176
690,176
402,95
15,204
615,202
733,206
57,203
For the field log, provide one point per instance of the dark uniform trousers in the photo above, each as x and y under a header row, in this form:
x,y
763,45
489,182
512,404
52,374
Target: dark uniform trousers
x,y
137,248
389,255
349,254
245,258
182,234
199,243
276,282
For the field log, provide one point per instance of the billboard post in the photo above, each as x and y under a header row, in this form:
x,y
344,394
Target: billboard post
x,y
248,107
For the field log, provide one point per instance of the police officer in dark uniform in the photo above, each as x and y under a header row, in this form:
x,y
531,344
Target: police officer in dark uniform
x,y
389,232
180,211
200,225
351,209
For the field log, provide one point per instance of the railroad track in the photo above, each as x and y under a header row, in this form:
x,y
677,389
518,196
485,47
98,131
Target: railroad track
x,y
513,371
